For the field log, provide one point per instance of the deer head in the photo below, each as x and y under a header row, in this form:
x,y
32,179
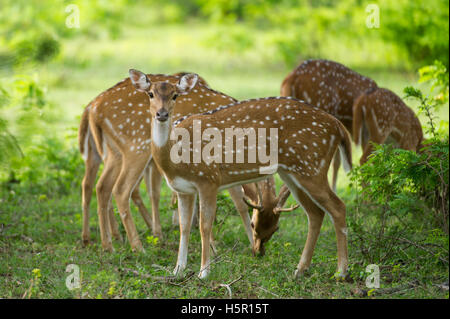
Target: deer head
x,y
267,208
162,95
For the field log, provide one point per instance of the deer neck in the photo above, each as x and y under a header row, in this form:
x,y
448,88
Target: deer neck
x,y
161,143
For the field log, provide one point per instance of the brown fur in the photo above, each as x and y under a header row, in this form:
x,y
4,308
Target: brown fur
x,y
383,116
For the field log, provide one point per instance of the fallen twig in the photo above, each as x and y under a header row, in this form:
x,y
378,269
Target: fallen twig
x,y
423,248
384,291
228,286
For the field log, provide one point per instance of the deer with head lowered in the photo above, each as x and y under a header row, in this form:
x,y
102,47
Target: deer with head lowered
x,y
331,87
308,140
267,207
380,116
115,128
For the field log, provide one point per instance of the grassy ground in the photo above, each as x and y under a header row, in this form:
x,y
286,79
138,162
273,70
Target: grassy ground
x,y
43,231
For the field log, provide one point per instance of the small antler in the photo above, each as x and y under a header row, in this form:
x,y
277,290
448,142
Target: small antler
x,y
250,204
290,209
283,196
281,200
260,198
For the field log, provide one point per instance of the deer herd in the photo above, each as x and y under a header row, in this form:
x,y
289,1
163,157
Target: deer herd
x,y
134,128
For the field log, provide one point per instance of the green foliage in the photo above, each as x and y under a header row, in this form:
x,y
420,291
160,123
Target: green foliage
x,y
32,31
419,27
402,201
47,168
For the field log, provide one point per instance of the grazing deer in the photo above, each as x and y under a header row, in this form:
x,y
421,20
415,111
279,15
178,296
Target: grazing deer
x,y
267,207
115,128
309,138
380,116
331,87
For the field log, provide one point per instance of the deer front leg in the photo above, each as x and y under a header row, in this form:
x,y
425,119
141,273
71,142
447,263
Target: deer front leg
x,y
153,183
237,195
208,203
186,203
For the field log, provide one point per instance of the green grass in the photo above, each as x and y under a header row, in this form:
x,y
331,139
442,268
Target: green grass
x,y
41,232
44,232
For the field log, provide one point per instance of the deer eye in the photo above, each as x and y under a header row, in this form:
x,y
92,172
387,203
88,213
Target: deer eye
x,y
150,94
174,97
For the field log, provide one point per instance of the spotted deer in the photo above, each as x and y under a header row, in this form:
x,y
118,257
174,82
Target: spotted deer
x,y
115,128
267,207
380,116
308,139
331,87
92,160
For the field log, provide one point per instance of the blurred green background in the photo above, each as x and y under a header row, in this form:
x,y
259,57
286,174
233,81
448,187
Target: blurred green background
x,y
50,70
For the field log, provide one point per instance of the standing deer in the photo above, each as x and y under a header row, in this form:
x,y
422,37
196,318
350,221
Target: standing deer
x,y
93,160
331,87
116,128
309,138
380,116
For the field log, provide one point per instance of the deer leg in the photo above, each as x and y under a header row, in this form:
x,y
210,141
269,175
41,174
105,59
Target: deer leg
x,y
137,200
208,203
114,226
92,165
153,183
186,203
326,200
104,188
369,148
315,219
237,195
336,165
130,175
173,201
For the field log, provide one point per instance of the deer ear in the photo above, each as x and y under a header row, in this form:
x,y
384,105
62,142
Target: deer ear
x,y
139,80
187,82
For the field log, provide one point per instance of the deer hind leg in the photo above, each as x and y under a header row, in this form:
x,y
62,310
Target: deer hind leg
x,y
152,178
336,165
186,204
319,197
114,226
237,195
137,200
92,163
208,204
104,190
130,174
368,147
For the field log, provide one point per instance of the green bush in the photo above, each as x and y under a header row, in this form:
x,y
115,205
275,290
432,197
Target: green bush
x,y
401,205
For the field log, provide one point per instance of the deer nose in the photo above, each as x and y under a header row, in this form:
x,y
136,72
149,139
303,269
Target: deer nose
x,y
162,115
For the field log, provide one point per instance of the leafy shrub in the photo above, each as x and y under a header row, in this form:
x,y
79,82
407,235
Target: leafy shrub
x,y
402,201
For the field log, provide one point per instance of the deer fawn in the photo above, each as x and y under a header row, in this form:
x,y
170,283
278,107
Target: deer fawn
x,y
380,116
309,138
115,127
331,87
